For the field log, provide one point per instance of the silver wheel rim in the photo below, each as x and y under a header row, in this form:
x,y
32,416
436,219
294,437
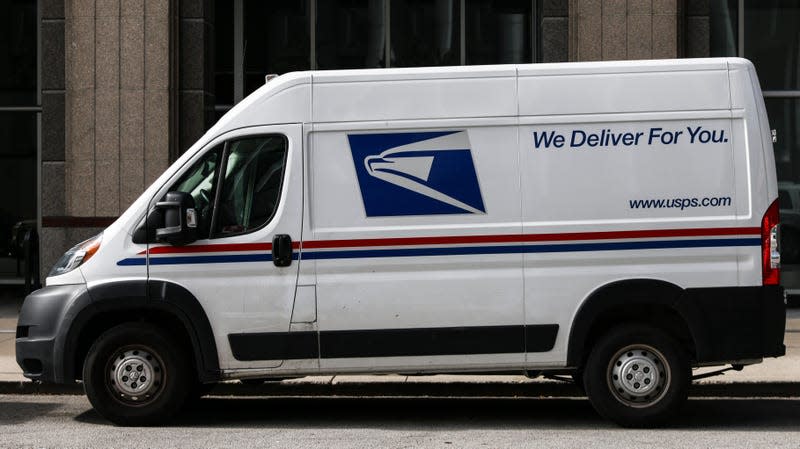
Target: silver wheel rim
x,y
638,375
135,375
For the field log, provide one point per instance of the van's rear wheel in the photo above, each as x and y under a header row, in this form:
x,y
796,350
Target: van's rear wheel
x,y
637,376
135,374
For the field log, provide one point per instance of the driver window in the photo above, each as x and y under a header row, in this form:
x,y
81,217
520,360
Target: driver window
x,y
199,181
253,174
251,186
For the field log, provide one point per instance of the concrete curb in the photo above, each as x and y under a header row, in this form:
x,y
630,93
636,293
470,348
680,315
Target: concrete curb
x,y
429,389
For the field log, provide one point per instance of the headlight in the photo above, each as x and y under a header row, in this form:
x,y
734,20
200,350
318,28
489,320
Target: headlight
x,y
77,255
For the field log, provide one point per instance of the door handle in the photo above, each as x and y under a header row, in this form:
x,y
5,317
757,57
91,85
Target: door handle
x,y
282,250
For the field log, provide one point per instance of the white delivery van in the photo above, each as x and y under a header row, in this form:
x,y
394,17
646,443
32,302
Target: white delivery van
x,y
615,221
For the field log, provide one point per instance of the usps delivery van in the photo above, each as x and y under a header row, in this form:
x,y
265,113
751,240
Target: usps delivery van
x,y
615,221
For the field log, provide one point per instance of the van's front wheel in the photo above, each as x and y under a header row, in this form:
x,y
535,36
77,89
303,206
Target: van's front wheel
x,y
637,376
135,375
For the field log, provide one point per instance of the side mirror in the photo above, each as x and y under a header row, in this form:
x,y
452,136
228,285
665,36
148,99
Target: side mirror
x,y
180,219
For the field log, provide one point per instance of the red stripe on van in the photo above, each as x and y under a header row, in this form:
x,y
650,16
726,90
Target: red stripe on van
x,y
510,238
218,248
451,240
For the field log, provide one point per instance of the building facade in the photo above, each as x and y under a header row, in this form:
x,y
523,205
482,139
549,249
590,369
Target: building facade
x,y
98,96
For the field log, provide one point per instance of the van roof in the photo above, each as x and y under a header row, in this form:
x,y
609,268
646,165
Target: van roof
x,y
539,69
486,91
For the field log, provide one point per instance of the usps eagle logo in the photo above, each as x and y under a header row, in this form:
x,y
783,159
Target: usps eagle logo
x,y
416,173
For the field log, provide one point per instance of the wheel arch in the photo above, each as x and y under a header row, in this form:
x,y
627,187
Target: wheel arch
x,y
163,303
644,301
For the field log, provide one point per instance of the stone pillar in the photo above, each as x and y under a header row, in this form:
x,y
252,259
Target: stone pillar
x,y
555,31
117,102
624,29
113,113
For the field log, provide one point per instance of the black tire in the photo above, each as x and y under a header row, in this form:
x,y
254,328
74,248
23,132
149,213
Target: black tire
x,y
135,374
637,376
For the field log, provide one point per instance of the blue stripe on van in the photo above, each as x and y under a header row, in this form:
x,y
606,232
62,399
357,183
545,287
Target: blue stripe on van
x,y
528,249
450,251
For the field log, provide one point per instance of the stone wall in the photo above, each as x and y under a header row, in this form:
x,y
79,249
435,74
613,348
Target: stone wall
x,y
624,29
105,112
117,102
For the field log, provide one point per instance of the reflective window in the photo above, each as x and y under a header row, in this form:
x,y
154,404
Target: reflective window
x,y
724,18
425,33
17,170
772,42
784,117
280,37
784,199
498,32
251,187
252,184
200,182
276,39
17,52
18,131
350,34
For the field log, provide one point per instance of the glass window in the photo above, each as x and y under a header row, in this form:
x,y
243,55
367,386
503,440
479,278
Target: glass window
x,y
785,200
199,181
425,33
498,32
17,170
276,40
772,42
18,53
251,186
724,18
350,34
784,117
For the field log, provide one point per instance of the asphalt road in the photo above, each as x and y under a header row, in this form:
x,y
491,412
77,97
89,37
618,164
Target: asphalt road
x,y
69,421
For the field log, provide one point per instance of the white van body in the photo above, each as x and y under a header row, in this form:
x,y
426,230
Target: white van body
x,y
463,219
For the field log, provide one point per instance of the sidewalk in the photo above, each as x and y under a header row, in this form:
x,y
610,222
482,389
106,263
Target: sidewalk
x,y
10,302
773,377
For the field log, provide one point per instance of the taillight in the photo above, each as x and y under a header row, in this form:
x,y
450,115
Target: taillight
x,y
770,255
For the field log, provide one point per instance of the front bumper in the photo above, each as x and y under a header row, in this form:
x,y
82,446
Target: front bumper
x,y
44,321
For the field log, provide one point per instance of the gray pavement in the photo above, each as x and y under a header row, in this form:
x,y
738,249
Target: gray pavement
x,y
69,421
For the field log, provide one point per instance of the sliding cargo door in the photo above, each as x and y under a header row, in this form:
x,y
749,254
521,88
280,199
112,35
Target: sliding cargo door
x,y
414,233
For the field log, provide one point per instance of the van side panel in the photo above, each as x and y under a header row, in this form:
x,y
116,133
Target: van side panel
x,y
602,93
407,97
600,199
408,230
